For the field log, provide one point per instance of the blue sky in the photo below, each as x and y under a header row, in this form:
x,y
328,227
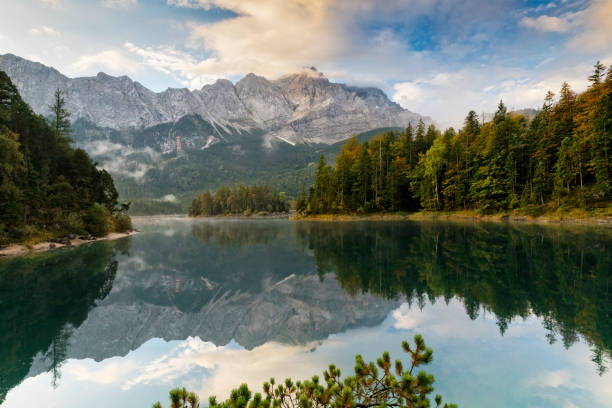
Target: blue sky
x,y
436,57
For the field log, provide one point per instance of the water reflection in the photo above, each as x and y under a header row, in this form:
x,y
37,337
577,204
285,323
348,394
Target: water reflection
x,y
563,276
42,299
196,302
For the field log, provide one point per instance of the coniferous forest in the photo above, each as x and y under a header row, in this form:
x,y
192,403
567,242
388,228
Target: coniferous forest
x,y
239,199
557,159
47,188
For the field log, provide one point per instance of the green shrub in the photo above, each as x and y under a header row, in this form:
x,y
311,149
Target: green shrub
x,y
72,223
97,220
123,222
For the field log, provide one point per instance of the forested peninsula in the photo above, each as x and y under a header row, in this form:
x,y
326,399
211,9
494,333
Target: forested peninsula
x,y
556,161
48,189
239,200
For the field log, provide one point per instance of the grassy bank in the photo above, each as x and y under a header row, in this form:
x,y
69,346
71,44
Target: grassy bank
x,y
600,216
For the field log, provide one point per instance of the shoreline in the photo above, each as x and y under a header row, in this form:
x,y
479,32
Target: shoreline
x,y
15,250
287,215
594,220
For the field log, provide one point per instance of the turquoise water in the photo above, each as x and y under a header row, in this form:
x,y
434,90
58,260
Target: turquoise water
x,y
518,316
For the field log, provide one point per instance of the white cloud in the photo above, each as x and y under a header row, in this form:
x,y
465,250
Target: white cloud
x,y
44,30
407,93
180,65
270,37
448,96
119,3
117,158
548,23
596,33
590,27
111,60
191,3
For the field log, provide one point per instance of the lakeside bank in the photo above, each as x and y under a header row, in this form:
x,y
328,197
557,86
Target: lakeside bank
x,y
562,218
22,249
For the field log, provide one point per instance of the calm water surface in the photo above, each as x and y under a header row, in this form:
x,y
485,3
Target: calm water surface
x,y
518,316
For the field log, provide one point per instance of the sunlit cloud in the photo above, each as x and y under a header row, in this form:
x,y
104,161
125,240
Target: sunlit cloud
x,y
183,67
548,23
112,61
596,31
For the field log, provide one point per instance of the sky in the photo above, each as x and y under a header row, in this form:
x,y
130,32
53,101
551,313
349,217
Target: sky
x,y
439,58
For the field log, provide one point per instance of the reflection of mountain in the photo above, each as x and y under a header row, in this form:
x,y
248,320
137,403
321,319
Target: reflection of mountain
x,y
42,299
562,276
244,281
255,281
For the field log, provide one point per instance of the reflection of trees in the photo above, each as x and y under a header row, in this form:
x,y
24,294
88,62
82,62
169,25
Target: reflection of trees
x,y
42,298
562,276
237,233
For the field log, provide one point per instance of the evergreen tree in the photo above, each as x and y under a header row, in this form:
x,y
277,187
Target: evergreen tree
x,y
61,117
560,154
599,70
46,186
379,384
419,138
501,113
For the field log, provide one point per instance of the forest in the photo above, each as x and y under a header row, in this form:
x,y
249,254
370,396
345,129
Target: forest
x,y
239,199
47,188
559,159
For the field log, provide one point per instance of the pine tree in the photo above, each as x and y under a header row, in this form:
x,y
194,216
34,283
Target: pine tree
x,y
301,203
598,72
609,76
384,383
61,117
501,113
471,128
419,138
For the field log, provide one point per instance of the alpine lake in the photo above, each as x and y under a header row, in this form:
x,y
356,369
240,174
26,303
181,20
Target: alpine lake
x,y
517,315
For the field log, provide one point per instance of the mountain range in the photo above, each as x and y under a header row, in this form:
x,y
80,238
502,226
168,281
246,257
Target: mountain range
x,y
181,141
299,107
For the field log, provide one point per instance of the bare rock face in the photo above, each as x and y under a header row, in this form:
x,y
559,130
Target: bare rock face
x,y
296,108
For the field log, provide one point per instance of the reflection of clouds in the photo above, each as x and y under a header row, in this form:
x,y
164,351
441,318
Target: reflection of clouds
x,y
227,366
473,365
170,232
177,362
109,373
135,263
552,379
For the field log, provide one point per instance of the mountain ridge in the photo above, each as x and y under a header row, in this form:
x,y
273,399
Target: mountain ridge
x,y
295,108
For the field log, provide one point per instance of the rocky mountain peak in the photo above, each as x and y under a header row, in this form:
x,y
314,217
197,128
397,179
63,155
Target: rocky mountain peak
x,y
301,107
